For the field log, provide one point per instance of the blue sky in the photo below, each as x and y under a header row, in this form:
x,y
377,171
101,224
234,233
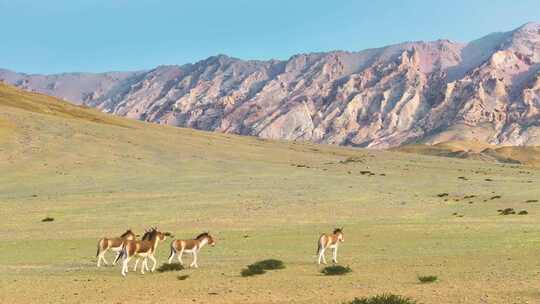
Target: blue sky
x,y
102,35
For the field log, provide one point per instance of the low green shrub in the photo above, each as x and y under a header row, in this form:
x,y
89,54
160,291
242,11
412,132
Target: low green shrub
x,y
383,299
427,279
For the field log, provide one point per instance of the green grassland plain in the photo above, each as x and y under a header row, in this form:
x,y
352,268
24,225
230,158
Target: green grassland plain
x,y
98,175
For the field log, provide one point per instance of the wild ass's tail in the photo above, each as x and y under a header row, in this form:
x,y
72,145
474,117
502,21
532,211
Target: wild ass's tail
x,y
173,251
122,253
319,245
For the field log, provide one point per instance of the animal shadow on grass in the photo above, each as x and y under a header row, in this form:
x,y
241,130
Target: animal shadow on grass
x,y
170,267
336,270
261,267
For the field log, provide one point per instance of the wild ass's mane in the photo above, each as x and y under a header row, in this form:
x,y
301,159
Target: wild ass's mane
x,y
126,233
150,234
338,230
200,236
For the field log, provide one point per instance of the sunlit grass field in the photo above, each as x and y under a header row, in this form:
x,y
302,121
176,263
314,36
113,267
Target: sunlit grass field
x,y
98,175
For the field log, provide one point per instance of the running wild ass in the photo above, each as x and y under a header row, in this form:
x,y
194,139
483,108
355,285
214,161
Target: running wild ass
x,y
178,247
329,241
145,248
114,244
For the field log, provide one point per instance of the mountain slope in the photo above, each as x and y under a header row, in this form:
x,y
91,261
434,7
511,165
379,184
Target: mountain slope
x,y
486,90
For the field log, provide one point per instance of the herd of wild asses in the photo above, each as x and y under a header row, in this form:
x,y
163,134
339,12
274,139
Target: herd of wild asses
x,y
127,246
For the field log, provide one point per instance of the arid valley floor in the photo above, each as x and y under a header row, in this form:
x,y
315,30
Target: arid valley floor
x,y
98,175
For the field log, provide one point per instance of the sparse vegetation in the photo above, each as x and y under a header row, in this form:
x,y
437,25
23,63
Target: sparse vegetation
x,y
531,201
183,184
336,270
506,211
165,267
352,159
442,194
427,279
48,219
523,212
182,277
383,299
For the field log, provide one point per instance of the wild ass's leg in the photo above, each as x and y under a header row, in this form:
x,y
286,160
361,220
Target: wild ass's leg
x,y
179,256
194,262
101,249
116,257
173,252
154,262
102,258
144,266
136,263
125,265
321,256
334,255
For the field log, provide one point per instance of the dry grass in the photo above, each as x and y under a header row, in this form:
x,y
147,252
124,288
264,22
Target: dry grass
x,y
98,179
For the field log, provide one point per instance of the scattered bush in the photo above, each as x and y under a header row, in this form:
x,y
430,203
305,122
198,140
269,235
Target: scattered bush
x,y
506,211
182,277
352,159
383,299
523,212
531,201
335,270
427,279
442,194
495,197
488,180
48,219
463,178
170,267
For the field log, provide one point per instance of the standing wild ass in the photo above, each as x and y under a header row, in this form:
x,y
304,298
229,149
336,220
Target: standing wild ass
x,y
145,248
329,241
178,247
114,244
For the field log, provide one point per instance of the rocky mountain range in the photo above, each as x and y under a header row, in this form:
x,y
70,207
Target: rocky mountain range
x,y
486,90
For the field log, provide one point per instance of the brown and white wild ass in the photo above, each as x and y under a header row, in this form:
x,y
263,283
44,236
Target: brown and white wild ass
x,y
178,247
145,248
114,244
329,241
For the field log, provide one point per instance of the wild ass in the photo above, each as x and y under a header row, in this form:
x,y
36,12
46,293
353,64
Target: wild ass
x,y
178,247
329,241
114,244
145,248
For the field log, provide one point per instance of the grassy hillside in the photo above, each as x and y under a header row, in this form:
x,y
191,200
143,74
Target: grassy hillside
x,y
404,215
529,156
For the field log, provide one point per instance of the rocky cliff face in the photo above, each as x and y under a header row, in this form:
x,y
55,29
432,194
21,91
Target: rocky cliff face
x,y
487,90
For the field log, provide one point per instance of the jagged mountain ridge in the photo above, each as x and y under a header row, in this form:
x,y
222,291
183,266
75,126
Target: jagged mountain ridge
x,y
486,90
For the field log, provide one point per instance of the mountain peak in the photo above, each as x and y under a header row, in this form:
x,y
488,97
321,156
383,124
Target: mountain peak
x,y
485,90
530,26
